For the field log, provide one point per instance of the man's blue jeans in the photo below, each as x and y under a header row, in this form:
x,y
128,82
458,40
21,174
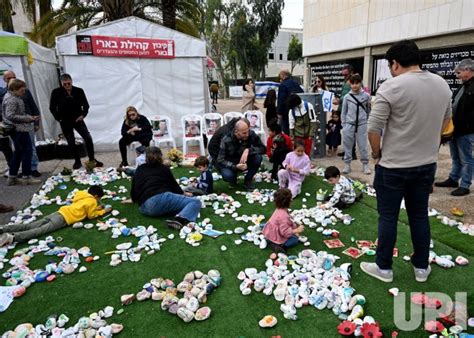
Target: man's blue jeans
x,y
462,149
253,163
412,184
34,155
22,154
169,203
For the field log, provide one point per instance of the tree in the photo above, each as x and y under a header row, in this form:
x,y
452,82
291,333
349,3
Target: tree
x,y
6,15
295,52
86,13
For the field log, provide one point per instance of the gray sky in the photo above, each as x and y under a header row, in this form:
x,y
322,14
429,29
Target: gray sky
x,y
293,14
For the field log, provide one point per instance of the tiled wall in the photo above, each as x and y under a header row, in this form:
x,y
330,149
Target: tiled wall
x,y
334,25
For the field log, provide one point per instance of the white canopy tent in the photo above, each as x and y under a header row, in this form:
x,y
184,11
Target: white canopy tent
x,y
37,66
173,85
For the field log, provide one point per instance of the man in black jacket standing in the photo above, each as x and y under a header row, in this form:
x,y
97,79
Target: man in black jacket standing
x,y
69,107
462,145
287,87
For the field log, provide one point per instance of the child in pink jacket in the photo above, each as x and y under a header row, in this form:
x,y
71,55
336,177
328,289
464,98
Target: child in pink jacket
x,y
297,165
280,231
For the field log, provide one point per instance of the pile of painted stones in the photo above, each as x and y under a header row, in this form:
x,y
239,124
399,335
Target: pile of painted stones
x,y
94,325
195,287
309,279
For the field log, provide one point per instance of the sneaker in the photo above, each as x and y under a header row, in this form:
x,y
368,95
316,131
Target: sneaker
x,y
5,208
341,154
77,165
98,164
5,174
27,180
249,186
35,173
12,180
421,275
347,169
276,248
174,223
123,164
373,270
6,239
460,192
366,169
449,183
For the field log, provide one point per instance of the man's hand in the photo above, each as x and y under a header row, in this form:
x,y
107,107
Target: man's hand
x,y
187,193
241,166
80,118
243,158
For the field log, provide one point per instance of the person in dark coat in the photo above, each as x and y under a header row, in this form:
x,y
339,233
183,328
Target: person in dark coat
x,y
69,107
135,127
288,86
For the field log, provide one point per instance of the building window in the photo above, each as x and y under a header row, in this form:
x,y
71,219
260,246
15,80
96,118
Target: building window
x,y
271,56
281,56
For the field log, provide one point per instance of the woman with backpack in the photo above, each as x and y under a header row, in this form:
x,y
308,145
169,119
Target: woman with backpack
x,y
302,121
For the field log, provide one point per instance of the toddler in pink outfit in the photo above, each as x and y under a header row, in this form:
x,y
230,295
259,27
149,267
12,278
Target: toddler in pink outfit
x,y
280,231
297,165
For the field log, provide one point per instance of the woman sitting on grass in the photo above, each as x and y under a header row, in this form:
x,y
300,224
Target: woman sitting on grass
x,y
156,191
280,231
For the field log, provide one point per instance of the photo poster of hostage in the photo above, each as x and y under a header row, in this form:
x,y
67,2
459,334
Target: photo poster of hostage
x,y
439,61
331,71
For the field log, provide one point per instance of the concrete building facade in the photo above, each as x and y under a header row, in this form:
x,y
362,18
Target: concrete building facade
x,y
359,32
278,55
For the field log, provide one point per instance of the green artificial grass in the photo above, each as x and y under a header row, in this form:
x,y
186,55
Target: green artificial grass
x,y
233,315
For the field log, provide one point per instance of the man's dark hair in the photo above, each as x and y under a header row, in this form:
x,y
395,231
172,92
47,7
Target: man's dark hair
x,y
405,52
331,172
348,67
293,101
201,161
96,190
355,78
65,76
282,198
275,127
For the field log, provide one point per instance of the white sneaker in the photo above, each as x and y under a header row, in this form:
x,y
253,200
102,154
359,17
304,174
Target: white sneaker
x,y
366,169
421,275
347,169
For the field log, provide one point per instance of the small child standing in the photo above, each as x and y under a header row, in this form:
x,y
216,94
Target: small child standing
x,y
278,154
280,231
274,129
354,116
140,159
205,183
333,136
297,165
343,194
84,205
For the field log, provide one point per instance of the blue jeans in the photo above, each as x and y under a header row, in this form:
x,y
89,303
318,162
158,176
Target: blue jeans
x,y
22,153
392,185
253,163
461,149
34,155
168,203
291,242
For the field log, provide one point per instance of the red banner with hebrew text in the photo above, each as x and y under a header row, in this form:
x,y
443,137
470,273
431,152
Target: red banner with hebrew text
x,y
111,46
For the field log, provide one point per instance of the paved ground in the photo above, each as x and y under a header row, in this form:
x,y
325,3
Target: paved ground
x,y
440,199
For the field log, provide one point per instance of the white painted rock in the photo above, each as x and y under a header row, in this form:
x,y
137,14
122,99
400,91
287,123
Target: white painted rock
x,y
124,246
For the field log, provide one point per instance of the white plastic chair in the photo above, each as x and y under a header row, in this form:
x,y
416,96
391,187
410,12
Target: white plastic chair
x,y
256,123
212,122
192,131
230,115
161,125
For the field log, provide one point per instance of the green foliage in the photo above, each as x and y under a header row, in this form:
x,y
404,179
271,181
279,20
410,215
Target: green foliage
x,y
295,52
87,13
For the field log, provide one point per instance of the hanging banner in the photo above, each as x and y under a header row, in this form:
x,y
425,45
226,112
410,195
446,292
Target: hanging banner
x,y
111,46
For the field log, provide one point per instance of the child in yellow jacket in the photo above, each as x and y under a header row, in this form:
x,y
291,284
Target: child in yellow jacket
x,y
84,205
